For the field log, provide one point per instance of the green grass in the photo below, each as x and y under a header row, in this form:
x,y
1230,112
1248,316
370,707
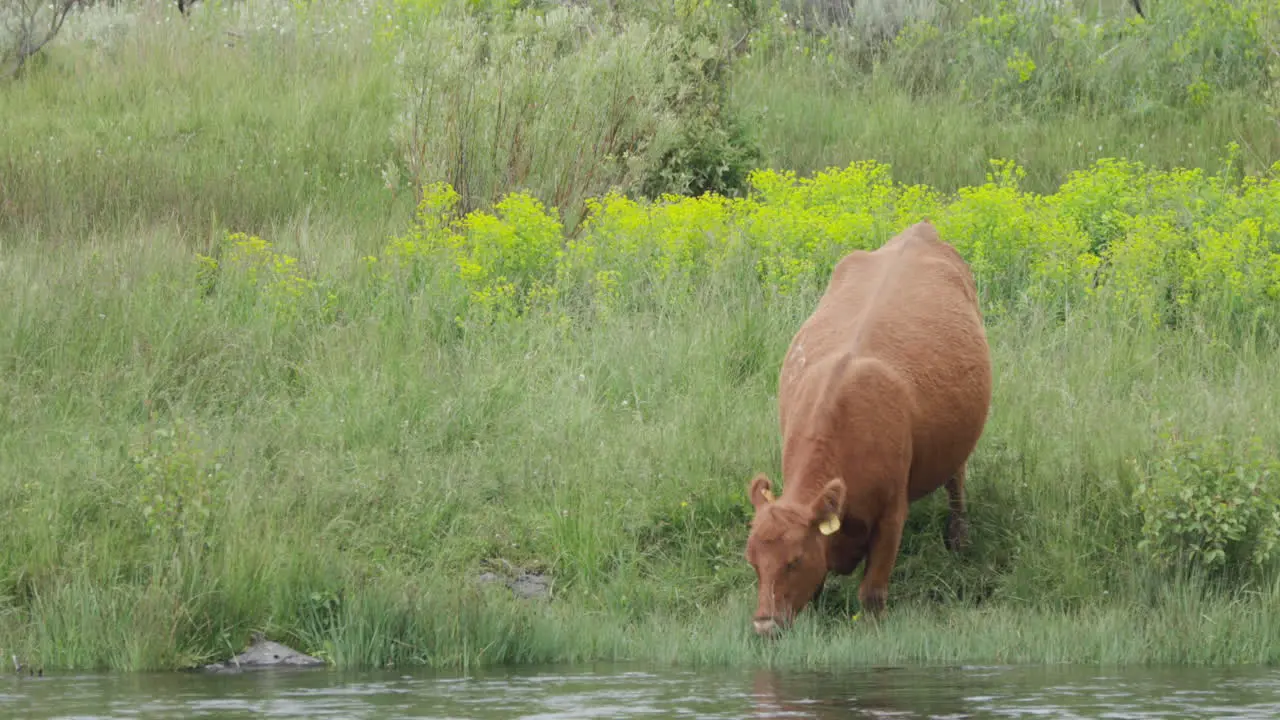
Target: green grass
x,y
342,483
256,116
370,470
816,119
223,120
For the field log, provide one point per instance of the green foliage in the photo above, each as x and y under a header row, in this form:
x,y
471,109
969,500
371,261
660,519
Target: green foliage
x,y
179,486
406,92
505,259
1211,502
255,277
712,149
549,104
1051,60
644,105
1161,245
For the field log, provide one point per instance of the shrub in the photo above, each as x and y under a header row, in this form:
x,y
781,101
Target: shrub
x,y
1211,502
251,271
179,485
710,149
1162,247
563,107
542,104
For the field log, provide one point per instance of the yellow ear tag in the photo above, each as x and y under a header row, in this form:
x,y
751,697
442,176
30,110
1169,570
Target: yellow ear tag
x,y
830,525
768,496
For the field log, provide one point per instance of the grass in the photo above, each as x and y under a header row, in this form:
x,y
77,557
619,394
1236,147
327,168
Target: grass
x,y
304,119
815,120
369,471
180,467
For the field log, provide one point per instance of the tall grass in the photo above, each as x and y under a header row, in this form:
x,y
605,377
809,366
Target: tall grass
x,y
331,437
246,116
257,114
359,476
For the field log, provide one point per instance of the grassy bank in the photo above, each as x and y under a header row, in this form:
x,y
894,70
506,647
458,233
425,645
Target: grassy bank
x,y
252,379
197,445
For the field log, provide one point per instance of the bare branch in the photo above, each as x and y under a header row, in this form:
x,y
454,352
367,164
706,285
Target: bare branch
x,y
29,34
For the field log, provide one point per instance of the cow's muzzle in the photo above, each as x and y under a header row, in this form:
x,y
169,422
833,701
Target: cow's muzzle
x,y
766,627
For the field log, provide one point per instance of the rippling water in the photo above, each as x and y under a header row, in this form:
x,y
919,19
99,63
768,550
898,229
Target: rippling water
x,y
627,692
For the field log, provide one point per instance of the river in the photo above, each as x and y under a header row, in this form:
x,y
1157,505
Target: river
x,y
619,691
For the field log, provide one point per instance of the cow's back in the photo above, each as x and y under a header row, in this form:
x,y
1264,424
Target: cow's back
x,y
912,305
909,303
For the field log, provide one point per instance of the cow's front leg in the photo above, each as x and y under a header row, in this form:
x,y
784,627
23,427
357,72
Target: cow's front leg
x,y
873,593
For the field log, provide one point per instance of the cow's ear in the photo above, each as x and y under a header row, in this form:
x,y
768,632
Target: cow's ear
x,y
829,506
758,491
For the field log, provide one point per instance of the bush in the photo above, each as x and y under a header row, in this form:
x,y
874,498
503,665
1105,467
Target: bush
x,y
179,486
542,104
563,107
1161,247
871,21
257,278
1211,502
711,149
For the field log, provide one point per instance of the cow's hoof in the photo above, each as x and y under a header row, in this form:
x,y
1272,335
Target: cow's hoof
x,y
873,601
957,536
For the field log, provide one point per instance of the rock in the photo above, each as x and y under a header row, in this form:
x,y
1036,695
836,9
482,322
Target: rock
x,y
531,586
263,653
525,585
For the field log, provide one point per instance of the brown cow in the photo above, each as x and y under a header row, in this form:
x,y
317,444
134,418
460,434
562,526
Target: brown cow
x,y
882,398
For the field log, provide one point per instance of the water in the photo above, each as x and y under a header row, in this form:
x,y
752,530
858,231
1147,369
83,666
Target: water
x,y
624,692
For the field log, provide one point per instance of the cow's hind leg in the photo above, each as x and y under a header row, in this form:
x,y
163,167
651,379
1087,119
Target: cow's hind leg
x,y
956,537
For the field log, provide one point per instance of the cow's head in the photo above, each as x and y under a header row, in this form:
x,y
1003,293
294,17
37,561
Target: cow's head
x,y
788,550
